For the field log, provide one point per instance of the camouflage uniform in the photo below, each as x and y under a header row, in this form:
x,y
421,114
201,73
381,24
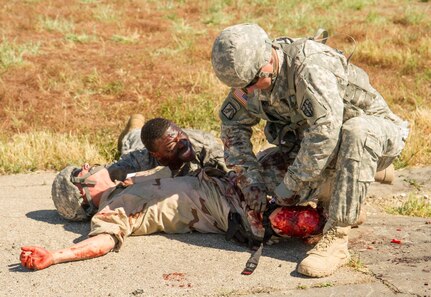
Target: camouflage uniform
x,y
131,142
158,203
208,149
327,121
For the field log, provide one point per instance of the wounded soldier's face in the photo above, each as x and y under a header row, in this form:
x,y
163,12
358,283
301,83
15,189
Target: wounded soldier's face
x,y
98,183
173,148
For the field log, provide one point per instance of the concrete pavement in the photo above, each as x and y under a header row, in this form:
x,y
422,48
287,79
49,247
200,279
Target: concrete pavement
x,y
207,265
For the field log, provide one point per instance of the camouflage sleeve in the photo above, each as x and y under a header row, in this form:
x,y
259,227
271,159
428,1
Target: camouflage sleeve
x,y
139,160
236,131
320,102
208,148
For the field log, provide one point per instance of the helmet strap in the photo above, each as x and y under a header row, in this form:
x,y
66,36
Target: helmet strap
x,y
91,209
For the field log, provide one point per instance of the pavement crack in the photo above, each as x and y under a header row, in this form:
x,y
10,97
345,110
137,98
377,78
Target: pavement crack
x,y
391,286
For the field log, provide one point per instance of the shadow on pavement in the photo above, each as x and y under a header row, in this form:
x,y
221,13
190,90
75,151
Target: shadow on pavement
x,y
17,267
51,216
290,250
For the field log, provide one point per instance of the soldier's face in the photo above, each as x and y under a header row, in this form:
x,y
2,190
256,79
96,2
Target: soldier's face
x,y
262,83
174,148
102,183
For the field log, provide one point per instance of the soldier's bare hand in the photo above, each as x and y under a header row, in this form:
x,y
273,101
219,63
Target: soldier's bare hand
x,y
255,196
127,182
36,258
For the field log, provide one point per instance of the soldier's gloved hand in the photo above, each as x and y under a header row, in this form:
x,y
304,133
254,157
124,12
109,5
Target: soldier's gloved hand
x,y
255,197
116,173
284,196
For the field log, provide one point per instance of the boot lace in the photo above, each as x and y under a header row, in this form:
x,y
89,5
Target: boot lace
x,y
326,240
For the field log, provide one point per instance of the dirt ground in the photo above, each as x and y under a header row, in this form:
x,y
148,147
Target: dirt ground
x,y
68,85
93,85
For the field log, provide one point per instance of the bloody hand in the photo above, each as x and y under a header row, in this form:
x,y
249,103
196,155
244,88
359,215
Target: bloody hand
x,y
36,258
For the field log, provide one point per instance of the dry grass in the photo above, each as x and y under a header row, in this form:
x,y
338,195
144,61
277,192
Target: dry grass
x,y
82,67
23,152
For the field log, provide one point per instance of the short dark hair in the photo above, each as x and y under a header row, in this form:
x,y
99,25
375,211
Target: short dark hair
x,y
152,130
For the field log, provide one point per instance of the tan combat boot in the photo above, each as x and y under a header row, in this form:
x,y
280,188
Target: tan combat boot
x,y
330,253
385,176
135,121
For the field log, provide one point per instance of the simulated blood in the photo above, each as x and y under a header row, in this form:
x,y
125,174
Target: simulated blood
x,y
297,221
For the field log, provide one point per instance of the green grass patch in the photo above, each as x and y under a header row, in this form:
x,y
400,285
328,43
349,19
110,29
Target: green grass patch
x,y
12,53
215,14
197,111
323,285
411,16
105,13
112,88
375,18
80,38
56,24
126,39
356,263
415,206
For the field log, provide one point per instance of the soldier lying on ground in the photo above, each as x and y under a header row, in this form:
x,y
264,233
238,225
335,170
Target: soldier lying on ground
x,y
206,202
191,149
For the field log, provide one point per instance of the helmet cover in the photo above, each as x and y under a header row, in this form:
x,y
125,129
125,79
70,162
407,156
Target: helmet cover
x,y
239,52
67,197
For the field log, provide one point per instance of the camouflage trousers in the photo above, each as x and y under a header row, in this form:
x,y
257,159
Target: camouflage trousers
x,y
367,144
131,141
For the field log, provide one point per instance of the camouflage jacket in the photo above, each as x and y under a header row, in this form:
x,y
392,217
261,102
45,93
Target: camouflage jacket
x,y
321,92
208,149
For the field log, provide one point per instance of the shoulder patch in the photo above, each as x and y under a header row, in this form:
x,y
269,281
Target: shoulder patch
x,y
307,108
229,111
240,96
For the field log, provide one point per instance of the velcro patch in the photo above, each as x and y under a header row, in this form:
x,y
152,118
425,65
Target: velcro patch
x,y
307,108
229,111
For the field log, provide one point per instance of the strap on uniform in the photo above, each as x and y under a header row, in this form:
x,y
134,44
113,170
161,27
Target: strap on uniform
x,y
354,48
253,261
321,35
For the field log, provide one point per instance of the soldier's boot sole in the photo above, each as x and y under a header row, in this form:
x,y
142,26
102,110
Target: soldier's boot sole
x,y
135,121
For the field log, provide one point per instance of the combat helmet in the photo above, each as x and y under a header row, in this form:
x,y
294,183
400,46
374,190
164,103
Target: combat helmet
x,y
67,197
239,52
